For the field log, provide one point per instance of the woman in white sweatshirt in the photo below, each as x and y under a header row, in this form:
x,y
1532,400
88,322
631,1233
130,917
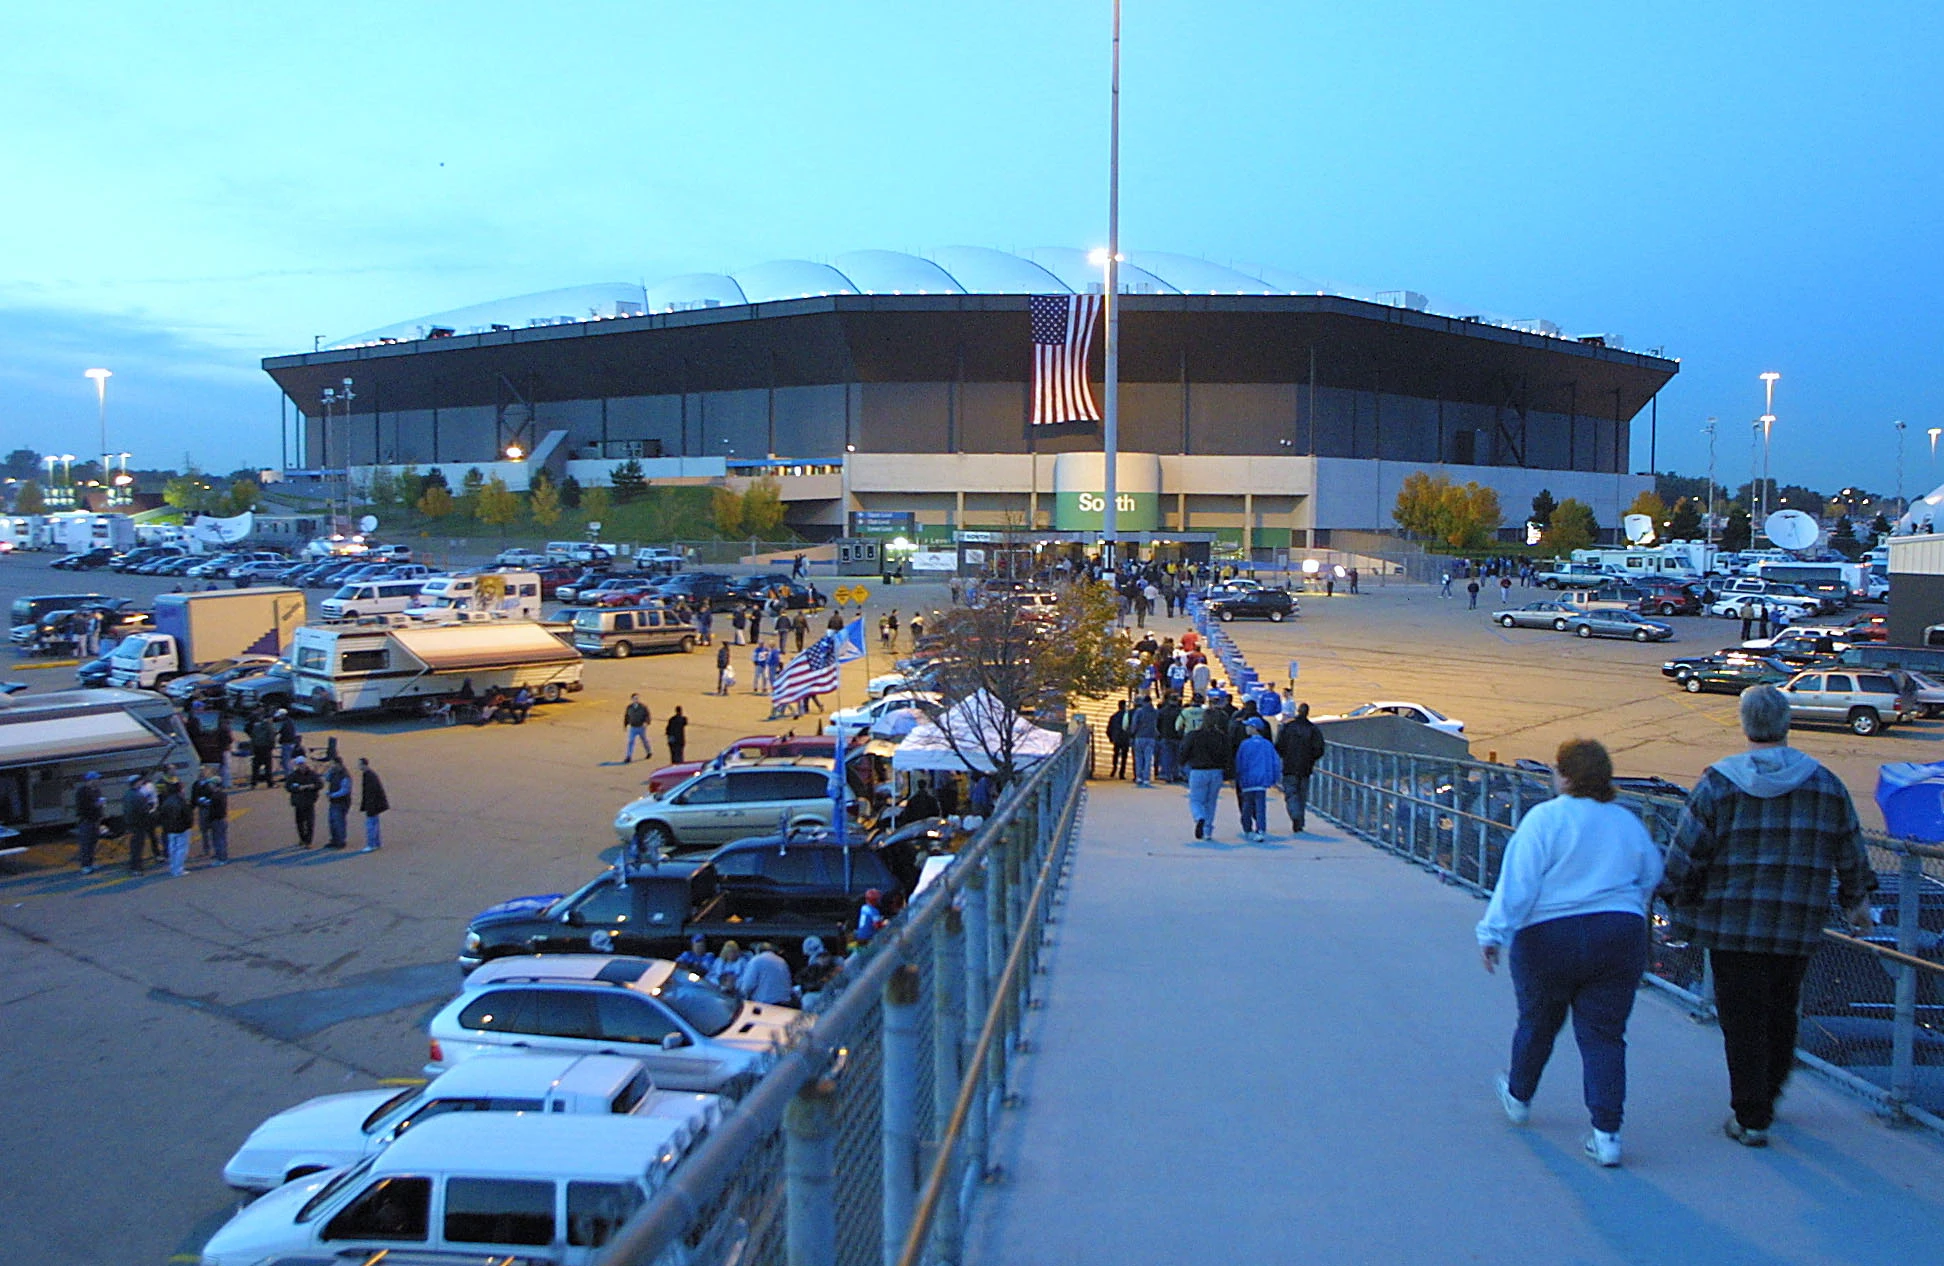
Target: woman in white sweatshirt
x,y
1572,902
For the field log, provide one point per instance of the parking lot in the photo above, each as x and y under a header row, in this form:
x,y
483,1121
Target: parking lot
x,y
151,1022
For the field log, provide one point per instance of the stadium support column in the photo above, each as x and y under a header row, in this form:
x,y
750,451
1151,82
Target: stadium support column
x,y
1110,429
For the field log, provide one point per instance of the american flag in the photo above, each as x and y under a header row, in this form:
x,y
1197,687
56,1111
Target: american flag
x,y
811,672
1063,328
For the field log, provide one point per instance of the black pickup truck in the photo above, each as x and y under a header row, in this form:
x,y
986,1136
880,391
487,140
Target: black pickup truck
x,y
769,888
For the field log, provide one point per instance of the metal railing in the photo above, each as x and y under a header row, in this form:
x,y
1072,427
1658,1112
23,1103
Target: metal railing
x,y
1872,1006
866,1142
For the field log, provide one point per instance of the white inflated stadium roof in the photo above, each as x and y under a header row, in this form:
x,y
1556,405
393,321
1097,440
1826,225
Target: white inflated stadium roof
x,y
948,271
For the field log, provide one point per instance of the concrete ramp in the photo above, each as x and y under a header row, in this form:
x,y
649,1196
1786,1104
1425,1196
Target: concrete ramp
x,y
1283,1053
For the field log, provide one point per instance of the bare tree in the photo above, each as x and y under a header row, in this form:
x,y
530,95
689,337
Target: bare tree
x,y
1001,662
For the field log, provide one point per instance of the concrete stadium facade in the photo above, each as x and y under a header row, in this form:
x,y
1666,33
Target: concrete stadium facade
x,y
883,382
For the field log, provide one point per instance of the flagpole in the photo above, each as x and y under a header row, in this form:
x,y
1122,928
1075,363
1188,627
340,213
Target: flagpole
x,y
1110,427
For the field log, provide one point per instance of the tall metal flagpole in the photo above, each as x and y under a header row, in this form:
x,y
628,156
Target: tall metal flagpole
x,y
1110,427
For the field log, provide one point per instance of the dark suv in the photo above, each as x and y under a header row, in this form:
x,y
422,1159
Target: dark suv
x,y
1264,604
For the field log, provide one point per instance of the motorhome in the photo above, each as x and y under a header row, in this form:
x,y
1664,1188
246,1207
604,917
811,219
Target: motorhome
x,y
50,742
509,594
1854,576
1683,560
417,668
79,533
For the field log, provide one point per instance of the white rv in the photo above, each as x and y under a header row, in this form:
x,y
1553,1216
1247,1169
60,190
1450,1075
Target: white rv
x,y
509,594
417,668
1674,560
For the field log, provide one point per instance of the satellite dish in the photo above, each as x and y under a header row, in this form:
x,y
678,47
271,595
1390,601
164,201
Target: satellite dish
x,y
1791,529
213,531
368,524
1638,527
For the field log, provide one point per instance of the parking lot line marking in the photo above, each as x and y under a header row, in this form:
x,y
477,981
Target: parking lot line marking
x,y
401,1081
47,663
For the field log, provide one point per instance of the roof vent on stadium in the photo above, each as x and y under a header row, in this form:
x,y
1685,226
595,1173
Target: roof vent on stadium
x,y
1410,299
1603,340
1535,325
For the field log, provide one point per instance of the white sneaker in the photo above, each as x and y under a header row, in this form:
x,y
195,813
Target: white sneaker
x,y
1604,1148
1517,1111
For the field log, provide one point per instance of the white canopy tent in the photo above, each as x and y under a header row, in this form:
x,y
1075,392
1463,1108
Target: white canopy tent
x,y
962,738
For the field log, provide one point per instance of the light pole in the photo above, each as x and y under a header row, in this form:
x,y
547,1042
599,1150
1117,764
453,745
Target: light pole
x,y
1900,438
1769,379
1110,425
1707,531
48,494
1934,433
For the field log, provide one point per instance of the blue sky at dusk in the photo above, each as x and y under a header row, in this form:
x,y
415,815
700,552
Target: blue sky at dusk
x,y
194,186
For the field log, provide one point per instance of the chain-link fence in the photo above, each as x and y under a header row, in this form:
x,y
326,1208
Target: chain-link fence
x,y
1872,1007
865,1143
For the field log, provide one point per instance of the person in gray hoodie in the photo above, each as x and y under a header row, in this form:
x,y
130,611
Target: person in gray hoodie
x,y
1748,878
1144,727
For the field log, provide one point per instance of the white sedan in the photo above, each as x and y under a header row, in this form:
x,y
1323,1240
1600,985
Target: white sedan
x,y
1736,605
866,715
1409,711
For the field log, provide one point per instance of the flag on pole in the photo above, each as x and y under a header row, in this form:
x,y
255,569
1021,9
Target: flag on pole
x,y
1063,328
850,643
811,672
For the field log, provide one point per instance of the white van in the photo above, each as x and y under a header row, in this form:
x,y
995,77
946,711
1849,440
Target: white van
x,y
582,551
512,594
372,597
518,1185
332,1131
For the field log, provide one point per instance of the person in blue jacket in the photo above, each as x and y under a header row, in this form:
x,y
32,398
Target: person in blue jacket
x,y
1257,769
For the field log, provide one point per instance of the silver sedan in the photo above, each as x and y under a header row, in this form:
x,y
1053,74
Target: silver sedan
x,y
1538,615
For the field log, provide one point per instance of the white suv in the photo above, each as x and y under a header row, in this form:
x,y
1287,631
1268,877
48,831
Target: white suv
x,y
335,1130
691,1035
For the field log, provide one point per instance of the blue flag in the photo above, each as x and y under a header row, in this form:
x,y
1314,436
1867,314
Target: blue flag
x,y
850,645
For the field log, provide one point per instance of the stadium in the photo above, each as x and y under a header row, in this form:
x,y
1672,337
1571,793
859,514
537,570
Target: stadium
x,y
1257,409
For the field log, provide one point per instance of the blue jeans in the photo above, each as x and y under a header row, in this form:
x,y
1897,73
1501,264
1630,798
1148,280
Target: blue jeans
x,y
372,839
1204,795
1255,810
215,838
638,733
340,817
1590,964
1144,761
1170,760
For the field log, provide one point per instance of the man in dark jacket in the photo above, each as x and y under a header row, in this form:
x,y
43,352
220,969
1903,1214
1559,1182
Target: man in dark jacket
x,y
1206,754
1119,739
138,819
263,741
288,744
173,816
676,732
337,803
634,721
1168,718
1300,744
1748,878
303,787
371,803
212,815
88,813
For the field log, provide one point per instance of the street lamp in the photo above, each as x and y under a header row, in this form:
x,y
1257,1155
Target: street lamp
x,y
1769,379
1110,388
1900,438
514,452
1934,433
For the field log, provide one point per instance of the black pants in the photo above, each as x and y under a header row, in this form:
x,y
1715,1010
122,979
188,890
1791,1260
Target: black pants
x,y
1120,760
141,843
88,832
260,767
676,747
305,812
1756,998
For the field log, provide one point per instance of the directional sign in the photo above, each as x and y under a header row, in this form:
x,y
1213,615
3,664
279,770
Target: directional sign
x,y
860,595
841,594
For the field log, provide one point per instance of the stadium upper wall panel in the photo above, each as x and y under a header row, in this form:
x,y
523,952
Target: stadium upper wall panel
x,y
952,270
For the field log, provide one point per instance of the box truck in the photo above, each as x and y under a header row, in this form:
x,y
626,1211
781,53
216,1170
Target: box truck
x,y
194,629
418,668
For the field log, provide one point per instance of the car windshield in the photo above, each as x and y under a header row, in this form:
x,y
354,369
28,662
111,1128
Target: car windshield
x,y
588,620
323,1197
390,1106
574,898
708,1009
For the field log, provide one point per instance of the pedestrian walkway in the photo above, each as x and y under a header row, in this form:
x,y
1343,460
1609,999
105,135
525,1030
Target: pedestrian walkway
x,y
1283,1053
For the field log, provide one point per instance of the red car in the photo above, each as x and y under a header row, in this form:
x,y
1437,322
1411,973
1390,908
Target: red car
x,y
753,748
1668,599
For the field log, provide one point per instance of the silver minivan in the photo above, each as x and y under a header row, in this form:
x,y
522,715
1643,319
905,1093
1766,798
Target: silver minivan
x,y
622,631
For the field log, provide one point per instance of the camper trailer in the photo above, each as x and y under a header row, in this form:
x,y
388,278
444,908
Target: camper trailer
x,y
50,742
511,595
417,668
